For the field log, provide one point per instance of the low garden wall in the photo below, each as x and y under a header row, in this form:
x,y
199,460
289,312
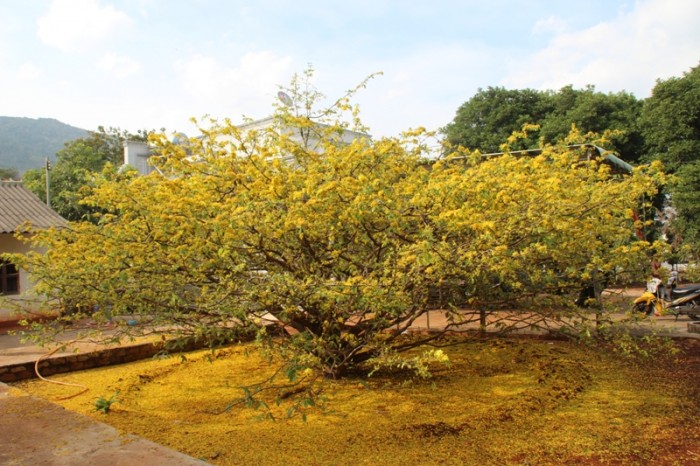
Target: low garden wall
x,y
80,361
117,355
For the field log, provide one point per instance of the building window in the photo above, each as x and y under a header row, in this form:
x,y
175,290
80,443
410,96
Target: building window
x,y
9,278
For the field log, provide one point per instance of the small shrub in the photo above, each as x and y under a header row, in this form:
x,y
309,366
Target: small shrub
x,y
103,404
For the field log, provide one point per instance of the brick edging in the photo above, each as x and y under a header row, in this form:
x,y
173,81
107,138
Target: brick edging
x,y
81,361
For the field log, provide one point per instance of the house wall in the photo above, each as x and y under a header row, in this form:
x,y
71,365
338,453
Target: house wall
x,y
136,154
10,244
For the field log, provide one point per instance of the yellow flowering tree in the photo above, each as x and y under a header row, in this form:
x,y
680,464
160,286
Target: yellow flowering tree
x,y
340,240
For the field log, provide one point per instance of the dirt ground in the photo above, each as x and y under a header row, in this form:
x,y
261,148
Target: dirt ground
x,y
682,448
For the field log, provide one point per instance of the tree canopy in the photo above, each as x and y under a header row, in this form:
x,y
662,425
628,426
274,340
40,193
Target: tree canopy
x,y
492,115
671,121
671,127
76,166
340,244
486,120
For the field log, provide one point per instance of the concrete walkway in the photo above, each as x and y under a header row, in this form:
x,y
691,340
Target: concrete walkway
x,y
36,432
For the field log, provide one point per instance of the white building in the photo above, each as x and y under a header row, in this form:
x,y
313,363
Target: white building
x,y
137,153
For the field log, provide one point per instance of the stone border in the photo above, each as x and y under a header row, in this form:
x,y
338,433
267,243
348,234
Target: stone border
x,y
91,360
139,351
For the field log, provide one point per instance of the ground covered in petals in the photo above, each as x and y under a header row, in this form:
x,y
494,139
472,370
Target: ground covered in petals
x,y
500,401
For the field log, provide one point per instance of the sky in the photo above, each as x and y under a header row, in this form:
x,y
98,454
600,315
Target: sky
x,y
155,64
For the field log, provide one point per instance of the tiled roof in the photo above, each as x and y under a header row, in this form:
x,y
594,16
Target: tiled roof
x,y
18,205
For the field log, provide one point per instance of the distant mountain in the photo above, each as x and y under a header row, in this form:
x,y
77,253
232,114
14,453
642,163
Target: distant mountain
x,y
26,142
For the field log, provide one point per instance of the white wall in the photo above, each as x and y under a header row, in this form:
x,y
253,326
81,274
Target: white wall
x,y
136,154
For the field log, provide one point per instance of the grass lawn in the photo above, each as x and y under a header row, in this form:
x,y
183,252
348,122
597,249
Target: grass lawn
x,y
500,402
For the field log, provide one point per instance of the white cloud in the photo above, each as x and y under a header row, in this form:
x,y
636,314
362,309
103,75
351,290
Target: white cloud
x,y
626,53
549,25
28,72
118,65
75,24
247,87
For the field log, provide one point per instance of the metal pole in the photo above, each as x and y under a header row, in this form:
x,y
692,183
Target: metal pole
x,y
47,167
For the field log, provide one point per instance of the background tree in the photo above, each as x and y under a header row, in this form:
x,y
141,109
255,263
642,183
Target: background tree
x,y
671,126
595,112
9,173
76,165
685,196
486,120
671,121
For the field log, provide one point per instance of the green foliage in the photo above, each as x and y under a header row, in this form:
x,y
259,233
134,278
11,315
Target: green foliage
x,y
104,405
486,120
595,112
418,364
76,166
671,122
685,194
671,128
646,348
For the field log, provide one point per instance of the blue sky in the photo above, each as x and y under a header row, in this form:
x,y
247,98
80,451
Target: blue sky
x,y
151,64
